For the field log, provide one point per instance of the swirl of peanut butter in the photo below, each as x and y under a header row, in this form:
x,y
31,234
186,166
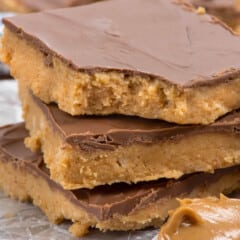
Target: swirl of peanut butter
x,y
203,219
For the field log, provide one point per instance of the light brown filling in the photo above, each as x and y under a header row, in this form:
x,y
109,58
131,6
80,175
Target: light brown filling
x,y
208,218
104,93
13,6
21,183
74,168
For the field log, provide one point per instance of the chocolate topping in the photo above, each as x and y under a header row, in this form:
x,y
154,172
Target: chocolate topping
x,y
92,133
157,38
51,4
104,201
235,194
11,142
4,72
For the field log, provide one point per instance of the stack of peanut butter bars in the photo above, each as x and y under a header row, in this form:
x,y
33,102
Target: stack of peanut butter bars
x,y
128,105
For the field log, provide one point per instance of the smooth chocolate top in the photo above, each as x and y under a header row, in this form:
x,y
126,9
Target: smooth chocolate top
x,y
40,5
11,142
104,201
93,133
163,39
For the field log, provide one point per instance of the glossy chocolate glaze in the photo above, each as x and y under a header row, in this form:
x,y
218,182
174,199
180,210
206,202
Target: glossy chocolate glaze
x,y
104,201
11,142
159,39
92,133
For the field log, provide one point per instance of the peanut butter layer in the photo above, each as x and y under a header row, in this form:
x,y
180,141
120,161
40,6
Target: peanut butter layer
x,y
207,219
24,6
227,10
128,62
84,152
24,176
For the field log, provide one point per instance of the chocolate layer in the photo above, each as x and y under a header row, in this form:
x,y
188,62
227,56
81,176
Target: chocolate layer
x,y
106,36
104,201
92,133
52,4
4,72
235,194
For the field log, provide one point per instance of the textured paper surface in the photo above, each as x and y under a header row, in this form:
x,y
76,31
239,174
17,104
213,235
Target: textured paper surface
x,y
21,221
10,110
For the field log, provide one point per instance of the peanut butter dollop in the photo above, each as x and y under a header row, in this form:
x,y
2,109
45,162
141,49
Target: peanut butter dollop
x,y
208,219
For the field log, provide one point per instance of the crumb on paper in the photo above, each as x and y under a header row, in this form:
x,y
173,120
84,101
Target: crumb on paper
x,y
9,215
78,229
201,10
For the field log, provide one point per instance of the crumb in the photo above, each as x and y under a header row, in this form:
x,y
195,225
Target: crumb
x,y
201,10
9,215
32,143
78,229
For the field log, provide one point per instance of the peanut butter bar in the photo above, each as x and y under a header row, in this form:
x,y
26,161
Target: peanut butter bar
x,y
23,176
84,152
208,219
25,6
227,10
161,60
